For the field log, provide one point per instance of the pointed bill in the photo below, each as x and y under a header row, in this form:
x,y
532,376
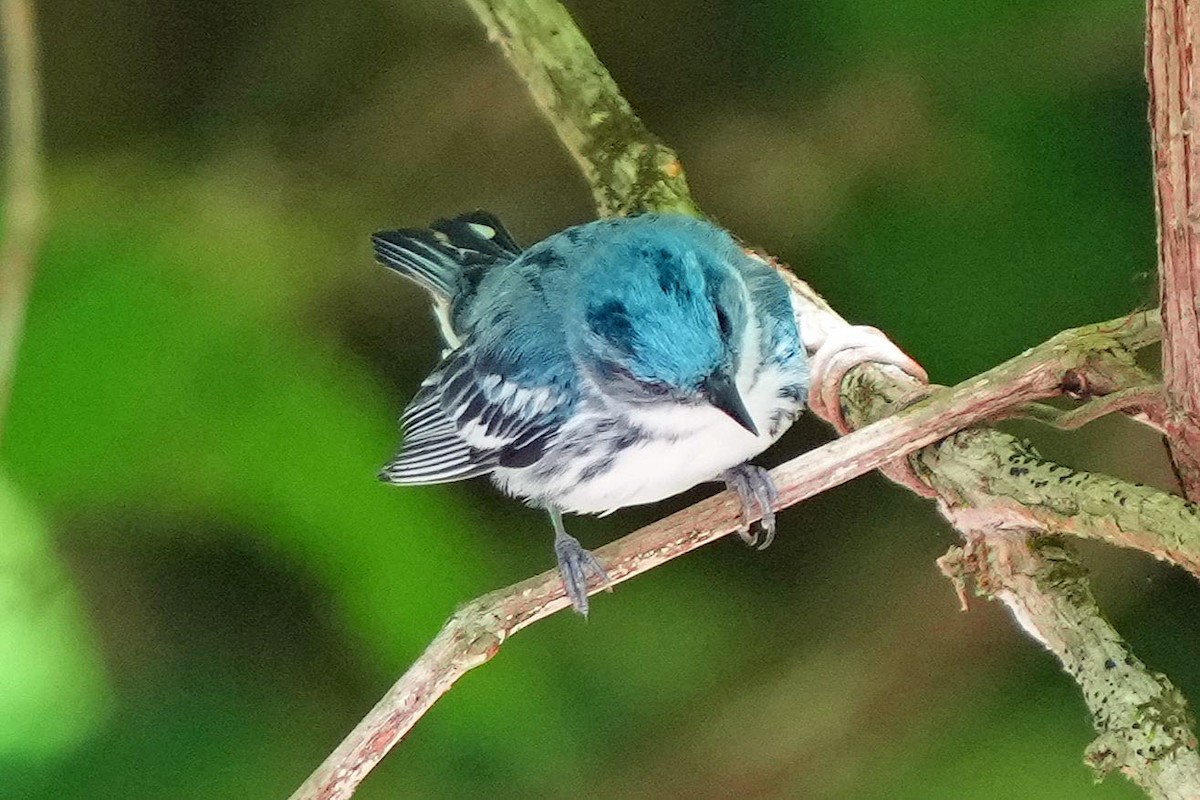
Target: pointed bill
x,y
722,393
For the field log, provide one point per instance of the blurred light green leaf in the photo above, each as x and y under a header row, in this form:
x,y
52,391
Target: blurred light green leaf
x,y
174,320
52,687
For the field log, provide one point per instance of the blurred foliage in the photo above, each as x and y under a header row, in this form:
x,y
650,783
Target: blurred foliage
x,y
213,367
54,685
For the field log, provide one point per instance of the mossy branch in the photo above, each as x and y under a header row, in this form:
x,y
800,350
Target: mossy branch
x,y
1143,724
628,168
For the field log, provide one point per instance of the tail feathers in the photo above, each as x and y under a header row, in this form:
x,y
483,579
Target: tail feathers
x,y
479,233
421,469
439,258
420,257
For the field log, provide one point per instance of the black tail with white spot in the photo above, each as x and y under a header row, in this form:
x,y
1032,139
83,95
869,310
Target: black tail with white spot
x,y
447,255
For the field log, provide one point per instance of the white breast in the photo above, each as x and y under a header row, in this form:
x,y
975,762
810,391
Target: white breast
x,y
692,445
683,445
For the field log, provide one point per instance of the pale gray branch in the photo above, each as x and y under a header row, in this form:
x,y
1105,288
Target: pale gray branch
x,y
23,204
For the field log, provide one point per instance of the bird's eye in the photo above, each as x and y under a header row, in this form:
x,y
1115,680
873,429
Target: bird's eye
x,y
723,322
655,389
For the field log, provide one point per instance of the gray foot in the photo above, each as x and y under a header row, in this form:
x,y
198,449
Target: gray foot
x,y
753,485
575,564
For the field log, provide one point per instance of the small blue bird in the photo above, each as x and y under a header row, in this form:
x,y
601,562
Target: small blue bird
x,y
616,363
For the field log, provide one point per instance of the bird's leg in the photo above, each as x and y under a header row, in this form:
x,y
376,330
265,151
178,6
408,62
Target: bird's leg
x,y
574,564
753,484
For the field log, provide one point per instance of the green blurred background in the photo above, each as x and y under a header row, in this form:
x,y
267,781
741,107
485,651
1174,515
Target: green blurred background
x,y
203,585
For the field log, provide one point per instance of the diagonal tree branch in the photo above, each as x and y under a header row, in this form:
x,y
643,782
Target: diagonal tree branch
x,y
23,205
1173,75
985,480
626,166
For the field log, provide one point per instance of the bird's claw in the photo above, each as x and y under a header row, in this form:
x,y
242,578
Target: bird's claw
x,y
575,564
753,484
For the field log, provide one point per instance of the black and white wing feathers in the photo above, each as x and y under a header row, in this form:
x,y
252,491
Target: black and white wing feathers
x,y
473,415
503,390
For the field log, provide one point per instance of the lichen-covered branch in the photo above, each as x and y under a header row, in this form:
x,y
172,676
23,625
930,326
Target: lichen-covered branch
x,y
1144,726
23,205
1173,75
990,472
985,472
1000,494
1010,504
628,167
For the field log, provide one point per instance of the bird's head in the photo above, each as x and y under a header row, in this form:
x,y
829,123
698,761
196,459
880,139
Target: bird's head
x,y
665,312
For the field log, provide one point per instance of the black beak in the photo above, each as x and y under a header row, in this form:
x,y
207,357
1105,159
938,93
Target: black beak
x,y
722,393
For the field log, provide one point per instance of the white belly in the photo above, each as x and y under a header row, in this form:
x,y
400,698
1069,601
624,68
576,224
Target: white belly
x,y
690,445
653,470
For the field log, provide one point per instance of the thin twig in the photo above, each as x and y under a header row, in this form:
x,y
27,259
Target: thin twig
x,y
1142,403
478,629
23,210
1173,75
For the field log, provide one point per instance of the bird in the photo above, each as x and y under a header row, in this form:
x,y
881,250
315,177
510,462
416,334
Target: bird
x,y
615,363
